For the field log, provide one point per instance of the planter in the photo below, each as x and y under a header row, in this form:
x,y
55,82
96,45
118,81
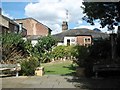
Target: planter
x,y
80,72
39,71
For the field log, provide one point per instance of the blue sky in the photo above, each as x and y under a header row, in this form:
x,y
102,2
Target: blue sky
x,y
49,12
14,9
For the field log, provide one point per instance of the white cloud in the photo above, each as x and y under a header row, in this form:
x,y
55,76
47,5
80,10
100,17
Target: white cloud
x,y
53,12
7,15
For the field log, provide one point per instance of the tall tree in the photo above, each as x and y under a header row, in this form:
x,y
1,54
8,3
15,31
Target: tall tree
x,y
108,13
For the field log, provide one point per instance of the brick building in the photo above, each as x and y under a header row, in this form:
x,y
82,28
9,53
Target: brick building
x,y
34,28
9,26
80,36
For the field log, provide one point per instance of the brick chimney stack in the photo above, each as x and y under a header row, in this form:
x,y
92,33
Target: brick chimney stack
x,y
64,26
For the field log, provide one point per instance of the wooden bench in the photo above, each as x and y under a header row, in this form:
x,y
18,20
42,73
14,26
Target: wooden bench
x,y
9,69
100,68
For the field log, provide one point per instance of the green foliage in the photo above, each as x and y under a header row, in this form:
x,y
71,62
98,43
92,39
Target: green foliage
x,y
108,13
28,66
101,50
12,47
64,51
58,51
82,55
28,46
43,48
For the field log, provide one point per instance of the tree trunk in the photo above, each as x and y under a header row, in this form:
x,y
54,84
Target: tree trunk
x,y
113,46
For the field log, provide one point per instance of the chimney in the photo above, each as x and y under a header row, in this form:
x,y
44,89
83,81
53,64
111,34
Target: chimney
x,y
64,26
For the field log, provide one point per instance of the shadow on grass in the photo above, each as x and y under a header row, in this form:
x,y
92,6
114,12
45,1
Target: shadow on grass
x,y
70,67
49,71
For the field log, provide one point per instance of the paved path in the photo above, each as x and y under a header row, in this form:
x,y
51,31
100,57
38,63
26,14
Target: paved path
x,y
57,81
51,81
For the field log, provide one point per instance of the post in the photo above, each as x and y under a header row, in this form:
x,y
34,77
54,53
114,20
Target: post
x,y
17,73
18,68
113,38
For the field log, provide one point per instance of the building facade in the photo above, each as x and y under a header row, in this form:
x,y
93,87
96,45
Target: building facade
x,y
80,36
9,26
34,27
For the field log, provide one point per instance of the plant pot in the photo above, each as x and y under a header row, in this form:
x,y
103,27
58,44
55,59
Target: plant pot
x,y
39,71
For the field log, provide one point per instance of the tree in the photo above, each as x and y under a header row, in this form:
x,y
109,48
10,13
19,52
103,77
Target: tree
x,y
108,13
44,47
12,47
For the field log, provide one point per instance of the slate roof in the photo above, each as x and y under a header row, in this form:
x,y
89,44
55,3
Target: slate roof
x,y
80,32
10,20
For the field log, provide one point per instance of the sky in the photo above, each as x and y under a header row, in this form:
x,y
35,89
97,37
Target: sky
x,y
49,12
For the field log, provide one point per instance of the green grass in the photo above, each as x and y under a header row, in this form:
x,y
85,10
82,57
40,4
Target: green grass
x,y
59,68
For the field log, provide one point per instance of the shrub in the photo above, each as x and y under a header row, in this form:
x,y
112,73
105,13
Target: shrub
x,y
64,51
28,66
12,47
82,55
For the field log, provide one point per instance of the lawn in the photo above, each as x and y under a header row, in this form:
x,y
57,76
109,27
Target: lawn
x,y
59,68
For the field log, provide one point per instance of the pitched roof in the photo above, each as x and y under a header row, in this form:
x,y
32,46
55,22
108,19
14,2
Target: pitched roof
x,y
9,20
80,32
34,20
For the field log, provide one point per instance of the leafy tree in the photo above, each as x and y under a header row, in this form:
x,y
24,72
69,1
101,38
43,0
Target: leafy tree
x,y
12,47
44,47
108,13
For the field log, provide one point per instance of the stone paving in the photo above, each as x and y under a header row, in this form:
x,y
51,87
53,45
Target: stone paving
x,y
57,81
50,81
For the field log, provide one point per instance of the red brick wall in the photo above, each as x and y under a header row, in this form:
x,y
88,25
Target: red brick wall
x,y
80,40
33,27
41,29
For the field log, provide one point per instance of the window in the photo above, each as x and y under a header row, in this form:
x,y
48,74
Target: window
x,y
68,42
87,39
73,40
87,45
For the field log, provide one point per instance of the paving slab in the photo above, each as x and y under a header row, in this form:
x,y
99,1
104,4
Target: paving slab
x,y
47,81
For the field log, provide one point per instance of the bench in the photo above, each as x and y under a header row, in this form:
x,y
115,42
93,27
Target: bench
x,y
100,68
9,69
